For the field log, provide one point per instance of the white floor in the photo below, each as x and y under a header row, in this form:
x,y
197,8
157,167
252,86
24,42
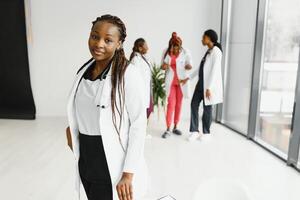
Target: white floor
x,y
35,163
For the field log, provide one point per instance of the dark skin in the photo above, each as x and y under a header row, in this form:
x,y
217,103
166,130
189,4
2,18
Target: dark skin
x,y
104,40
143,49
206,41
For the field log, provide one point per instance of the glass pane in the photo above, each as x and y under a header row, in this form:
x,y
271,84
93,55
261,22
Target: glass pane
x,y
299,160
239,65
279,73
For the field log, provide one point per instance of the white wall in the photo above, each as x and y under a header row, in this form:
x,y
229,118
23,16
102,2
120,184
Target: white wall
x,y
60,31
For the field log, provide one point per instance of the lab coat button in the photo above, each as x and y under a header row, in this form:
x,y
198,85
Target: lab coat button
x,y
102,106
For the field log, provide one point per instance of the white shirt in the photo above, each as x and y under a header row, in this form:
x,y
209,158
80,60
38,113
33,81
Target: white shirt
x,y
87,112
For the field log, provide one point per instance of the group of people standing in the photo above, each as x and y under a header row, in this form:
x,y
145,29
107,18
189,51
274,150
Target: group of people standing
x,y
109,100
177,63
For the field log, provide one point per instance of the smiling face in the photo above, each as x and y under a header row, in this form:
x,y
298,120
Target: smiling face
x,y
104,40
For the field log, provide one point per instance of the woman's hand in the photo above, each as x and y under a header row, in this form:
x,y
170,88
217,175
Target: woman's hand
x,y
208,94
165,66
69,139
124,187
188,67
183,81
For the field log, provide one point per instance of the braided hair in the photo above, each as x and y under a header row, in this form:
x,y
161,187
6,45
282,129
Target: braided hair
x,y
137,44
213,37
119,65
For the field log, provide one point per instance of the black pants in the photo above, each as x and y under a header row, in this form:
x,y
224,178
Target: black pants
x,y
198,96
93,168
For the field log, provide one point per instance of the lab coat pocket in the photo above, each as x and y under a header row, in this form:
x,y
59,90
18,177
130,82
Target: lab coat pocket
x,y
182,72
181,62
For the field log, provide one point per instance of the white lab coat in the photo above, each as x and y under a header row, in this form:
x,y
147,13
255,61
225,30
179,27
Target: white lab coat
x,y
212,75
132,133
146,73
182,60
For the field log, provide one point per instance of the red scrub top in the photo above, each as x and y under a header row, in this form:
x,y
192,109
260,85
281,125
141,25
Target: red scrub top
x,y
173,66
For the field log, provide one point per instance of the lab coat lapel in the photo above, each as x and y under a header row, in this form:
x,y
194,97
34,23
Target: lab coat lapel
x,y
103,93
74,90
113,152
73,124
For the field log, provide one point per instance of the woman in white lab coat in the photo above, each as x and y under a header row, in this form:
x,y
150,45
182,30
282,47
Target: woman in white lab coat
x,y
209,88
107,119
138,57
176,61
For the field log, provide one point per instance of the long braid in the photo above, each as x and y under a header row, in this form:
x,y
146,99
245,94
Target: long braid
x,y
134,50
119,65
137,44
168,51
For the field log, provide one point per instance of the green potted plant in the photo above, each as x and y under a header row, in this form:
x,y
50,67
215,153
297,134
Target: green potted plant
x,y
158,87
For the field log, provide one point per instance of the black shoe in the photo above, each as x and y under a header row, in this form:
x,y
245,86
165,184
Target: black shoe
x,y
177,132
166,134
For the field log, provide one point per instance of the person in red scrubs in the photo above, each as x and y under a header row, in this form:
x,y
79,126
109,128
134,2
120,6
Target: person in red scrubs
x,y
176,61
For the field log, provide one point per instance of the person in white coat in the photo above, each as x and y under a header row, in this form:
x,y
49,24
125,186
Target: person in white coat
x,y
107,119
177,62
138,57
209,88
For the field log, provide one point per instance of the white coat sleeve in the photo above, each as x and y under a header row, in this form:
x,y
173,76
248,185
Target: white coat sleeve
x,y
189,59
215,67
136,108
194,73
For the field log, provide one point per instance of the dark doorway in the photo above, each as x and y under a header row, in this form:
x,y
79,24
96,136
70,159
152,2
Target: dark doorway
x,y
16,100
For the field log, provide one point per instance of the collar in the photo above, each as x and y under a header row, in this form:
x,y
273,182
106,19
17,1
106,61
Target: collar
x,y
106,72
138,54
